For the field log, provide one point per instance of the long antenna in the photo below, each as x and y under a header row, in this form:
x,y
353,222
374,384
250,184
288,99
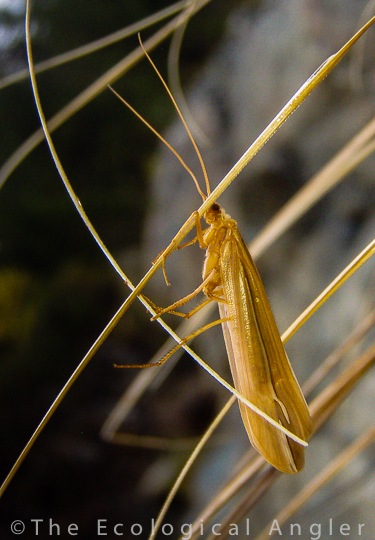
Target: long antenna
x,y
162,139
182,118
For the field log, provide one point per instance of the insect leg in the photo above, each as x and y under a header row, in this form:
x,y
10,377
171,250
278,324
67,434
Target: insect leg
x,y
188,243
187,298
178,346
218,297
200,232
158,308
211,298
163,265
199,237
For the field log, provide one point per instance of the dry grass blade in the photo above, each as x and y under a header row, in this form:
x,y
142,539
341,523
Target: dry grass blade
x,y
247,472
357,56
88,94
329,472
331,361
364,256
257,490
321,408
353,153
329,399
186,468
96,45
164,444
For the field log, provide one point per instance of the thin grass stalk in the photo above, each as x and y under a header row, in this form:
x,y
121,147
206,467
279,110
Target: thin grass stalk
x,y
233,486
193,456
253,494
259,487
328,400
96,45
112,75
357,56
336,465
332,360
356,263
322,407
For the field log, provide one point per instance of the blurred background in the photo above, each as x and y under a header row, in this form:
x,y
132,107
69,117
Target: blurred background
x,y
240,62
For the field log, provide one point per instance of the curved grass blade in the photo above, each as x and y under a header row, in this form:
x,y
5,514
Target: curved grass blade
x,y
88,94
327,401
96,45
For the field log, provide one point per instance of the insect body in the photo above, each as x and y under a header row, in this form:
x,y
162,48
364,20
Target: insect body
x,y
259,364
260,367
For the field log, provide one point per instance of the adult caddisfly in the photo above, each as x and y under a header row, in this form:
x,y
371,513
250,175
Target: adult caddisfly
x,y
259,364
260,367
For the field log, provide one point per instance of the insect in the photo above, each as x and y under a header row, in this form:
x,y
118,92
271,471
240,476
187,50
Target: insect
x,y
259,364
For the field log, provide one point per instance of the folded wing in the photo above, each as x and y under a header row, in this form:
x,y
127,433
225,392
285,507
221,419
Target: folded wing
x,y
260,367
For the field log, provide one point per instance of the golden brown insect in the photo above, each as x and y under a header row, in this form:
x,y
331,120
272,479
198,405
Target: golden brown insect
x,y
260,367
